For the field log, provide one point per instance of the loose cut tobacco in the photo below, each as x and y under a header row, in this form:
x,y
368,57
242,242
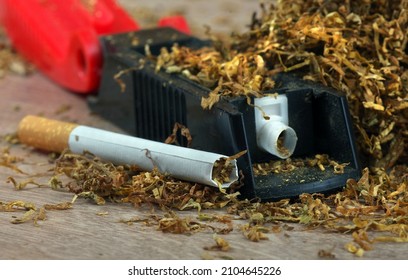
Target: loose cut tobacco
x,y
229,74
356,48
32,213
99,180
321,161
10,61
375,203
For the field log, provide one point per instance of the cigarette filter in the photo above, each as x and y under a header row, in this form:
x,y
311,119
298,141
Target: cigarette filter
x,y
180,162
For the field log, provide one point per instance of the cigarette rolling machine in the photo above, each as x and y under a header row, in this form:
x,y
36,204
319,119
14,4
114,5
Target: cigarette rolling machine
x,y
304,119
62,38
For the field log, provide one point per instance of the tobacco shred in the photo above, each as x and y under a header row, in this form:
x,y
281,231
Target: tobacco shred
x,y
220,244
10,61
9,161
175,224
321,161
99,180
32,213
255,233
358,49
59,206
184,131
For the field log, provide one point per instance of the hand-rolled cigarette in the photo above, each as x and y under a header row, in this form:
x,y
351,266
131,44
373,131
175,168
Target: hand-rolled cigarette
x,y
179,162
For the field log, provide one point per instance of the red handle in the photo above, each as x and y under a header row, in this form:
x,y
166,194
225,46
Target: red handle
x,y
61,36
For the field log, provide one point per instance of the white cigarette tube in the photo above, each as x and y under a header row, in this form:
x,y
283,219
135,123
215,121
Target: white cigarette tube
x,y
179,162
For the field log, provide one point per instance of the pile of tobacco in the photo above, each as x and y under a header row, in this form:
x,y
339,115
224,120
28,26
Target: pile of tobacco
x,y
356,47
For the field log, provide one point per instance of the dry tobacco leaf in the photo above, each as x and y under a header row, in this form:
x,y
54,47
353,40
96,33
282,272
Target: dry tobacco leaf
x,y
257,218
223,168
117,78
23,184
10,61
55,183
175,224
376,202
225,219
255,233
391,239
95,178
91,195
31,212
11,138
17,205
220,244
41,215
133,220
320,161
59,206
184,131
359,252
9,161
27,216
102,214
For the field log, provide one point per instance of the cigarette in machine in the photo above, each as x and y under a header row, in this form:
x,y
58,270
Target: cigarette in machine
x,y
180,162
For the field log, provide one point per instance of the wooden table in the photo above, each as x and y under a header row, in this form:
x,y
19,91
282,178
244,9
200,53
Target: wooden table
x,y
88,231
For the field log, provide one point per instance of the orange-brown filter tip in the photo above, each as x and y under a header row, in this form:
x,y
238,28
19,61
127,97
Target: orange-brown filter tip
x,y
45,134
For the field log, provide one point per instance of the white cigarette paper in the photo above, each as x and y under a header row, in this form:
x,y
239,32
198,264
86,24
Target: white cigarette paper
x,y
179,162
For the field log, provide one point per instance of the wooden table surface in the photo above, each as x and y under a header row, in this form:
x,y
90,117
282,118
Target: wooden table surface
x,y
88,231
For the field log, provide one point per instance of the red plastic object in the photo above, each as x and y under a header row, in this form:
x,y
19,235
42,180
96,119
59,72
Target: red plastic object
x,y
61,37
